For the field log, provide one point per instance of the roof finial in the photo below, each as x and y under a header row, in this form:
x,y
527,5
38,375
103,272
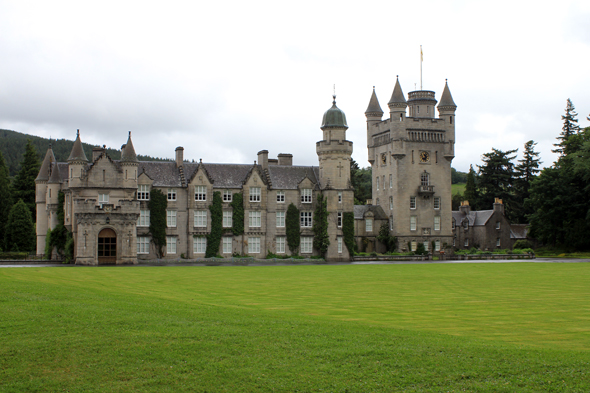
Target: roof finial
x,y
78,132
373,88
129,134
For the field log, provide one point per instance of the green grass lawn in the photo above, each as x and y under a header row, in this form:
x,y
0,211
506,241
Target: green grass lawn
x,y
347,328
458,188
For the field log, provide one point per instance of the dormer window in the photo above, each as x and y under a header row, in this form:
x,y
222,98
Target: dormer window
x,y
306,195
143,192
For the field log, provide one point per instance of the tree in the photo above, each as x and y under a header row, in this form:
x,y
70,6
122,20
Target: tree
x,y
390,242
20,230
214,237
526,171
496,177
5,199
293,229
456,200
570,127
471,195
24,182
321,240
361,180
157,205
59,234
458,177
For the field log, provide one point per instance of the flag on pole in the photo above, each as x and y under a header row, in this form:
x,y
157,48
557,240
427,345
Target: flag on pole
x,y
421,54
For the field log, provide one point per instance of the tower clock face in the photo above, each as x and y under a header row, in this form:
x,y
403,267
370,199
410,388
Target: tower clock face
x,y
384,158
424,156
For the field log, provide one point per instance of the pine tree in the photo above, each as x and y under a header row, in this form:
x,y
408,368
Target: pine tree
x,y
20,232
5,199
471,195
496,179
526,171
570,127
24,182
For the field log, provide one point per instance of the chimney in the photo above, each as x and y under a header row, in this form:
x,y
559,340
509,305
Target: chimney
x,y
286,159
465,208
122,150
96,152
179,156
273,161
498,206
369,202
263,158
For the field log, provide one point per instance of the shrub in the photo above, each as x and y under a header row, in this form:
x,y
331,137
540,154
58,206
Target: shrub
x,y
157,205
293,229
520,244
420,250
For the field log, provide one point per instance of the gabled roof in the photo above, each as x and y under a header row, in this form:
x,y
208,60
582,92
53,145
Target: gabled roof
x,y
361,210
446,99
518,231
285,177
374,106
44,172
397,97
163,173
77,153
476,218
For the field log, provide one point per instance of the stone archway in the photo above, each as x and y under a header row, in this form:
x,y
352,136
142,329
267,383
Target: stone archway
x,y
107,247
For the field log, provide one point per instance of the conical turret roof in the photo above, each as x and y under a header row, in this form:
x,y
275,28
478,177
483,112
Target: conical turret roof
x,y
398,95
446,99
77,153
334,117
374,106
128,154
46,165
55,175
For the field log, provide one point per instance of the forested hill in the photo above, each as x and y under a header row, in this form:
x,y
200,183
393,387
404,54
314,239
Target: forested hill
x,y
12,146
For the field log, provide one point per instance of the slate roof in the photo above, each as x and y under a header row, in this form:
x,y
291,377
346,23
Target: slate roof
x,y
163,173
374,106
518,231
285,177
55,177
476,218
397,97
128,154
446,99
77,153
361,210
46,166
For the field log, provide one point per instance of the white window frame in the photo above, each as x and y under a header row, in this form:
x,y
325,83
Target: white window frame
x,y
199,245
497,224
390,203
377,183
413,223
437,245
254,219
253,245
144,218
306,195
200,193
255,194
413,203
466,243
103,199
170,245
437,223
200,219
306,219
280,196
227,196
171,194
143,192
171,218
436,203
227,218
426,245
306,244
368,225
413,245
143,245
339,240
227,244
498,242
280,219
281,244
390,181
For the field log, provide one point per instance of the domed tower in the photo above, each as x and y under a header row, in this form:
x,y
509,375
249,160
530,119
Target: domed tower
x,y
334,155
77,163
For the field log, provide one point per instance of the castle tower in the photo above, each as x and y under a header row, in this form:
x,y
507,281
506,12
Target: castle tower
x,y
40,199
334,155
129,164
77,163
411,166
374,113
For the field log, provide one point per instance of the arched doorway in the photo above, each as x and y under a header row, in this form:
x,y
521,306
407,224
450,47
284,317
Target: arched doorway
x,y
107,247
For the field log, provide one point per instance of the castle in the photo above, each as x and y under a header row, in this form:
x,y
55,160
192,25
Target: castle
x,y
106,202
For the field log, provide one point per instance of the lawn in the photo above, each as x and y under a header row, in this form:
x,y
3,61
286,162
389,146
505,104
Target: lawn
x,y
458,188
356,328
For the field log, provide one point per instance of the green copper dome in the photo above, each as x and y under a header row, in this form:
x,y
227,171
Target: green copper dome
x,y
334,117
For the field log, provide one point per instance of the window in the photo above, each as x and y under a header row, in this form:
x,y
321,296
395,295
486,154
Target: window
x,y
377,202
390,203
227,196
254,194
171,218
390,181
498,242
254,219
143,192
369,225
383,182
497,224
201,218
339,239
280,196
280,244
391,223
466,224
143,245
339,196
412,202
466,243
253,245
103,199
170,244
306,195
377,183
436,203
306,244
437,223
227,219
437,245
144,218
227,245
171,194
425,245
412,223
339,222
305,219
413,245
453,223
280,219
200,193
199,245
424,179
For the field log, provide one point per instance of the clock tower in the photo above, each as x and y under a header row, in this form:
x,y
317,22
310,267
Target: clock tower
x,y
410,154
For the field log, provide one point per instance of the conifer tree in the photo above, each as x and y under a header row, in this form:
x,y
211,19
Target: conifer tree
x,y
24,182
496,178
570,127
526,171
20,232
5,199
471,195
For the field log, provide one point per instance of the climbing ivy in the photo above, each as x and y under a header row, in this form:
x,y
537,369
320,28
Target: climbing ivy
x,y
321,240
390,242
348,231
214,237
158,204
59,234
293,229
237,205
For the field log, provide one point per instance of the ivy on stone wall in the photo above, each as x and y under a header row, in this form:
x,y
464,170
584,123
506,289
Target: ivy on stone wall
x,y
237,205
348,231
158,204
214,237
321,240
293,229
59,235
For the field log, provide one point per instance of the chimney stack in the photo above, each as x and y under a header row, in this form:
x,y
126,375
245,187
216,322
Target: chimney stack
x,y
498,206
179,156
263,158
465,208
286,159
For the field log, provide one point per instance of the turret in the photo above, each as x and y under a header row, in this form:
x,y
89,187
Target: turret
x,y
446,106
53,188
40,199
77,163
422,103
397,104
374,113
129,164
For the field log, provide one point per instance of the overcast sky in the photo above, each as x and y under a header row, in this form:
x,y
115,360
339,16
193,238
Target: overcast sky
x,y
225,79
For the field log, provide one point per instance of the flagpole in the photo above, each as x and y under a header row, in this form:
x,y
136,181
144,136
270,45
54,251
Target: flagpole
x,y
420,67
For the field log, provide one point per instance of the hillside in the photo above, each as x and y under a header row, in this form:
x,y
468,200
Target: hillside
x,y
12,146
